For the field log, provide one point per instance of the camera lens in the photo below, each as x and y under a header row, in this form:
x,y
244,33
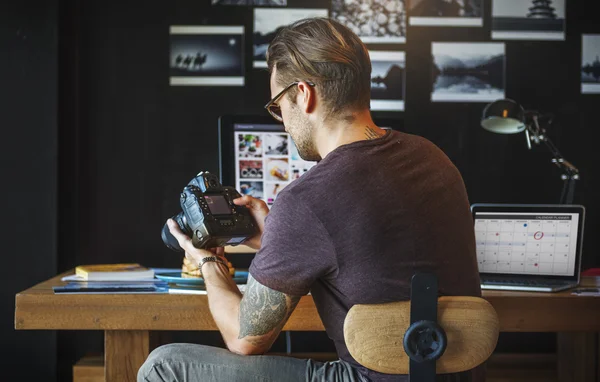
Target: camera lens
x,y
168,238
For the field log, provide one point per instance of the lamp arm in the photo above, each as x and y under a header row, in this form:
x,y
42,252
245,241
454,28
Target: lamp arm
x,y
539,134
560,161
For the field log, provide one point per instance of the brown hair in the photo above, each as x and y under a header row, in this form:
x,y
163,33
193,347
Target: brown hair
x,y
328,54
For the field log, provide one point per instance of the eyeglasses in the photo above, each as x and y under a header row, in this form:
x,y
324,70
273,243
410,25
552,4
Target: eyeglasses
x,y
272,106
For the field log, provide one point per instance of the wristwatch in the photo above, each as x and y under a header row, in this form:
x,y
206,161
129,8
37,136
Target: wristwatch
x,y
213,259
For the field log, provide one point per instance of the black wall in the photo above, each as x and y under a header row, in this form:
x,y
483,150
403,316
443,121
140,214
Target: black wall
x,y
141,140
129,142
28,170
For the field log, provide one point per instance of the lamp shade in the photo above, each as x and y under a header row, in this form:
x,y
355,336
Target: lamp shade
x,y
503,116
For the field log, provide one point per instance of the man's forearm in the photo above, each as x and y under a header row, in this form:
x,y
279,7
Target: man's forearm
x,y
223,300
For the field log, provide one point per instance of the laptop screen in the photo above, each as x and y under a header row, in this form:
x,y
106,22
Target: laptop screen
x,y
528,240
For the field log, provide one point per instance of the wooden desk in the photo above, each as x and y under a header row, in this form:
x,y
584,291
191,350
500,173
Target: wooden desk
x,y
127,320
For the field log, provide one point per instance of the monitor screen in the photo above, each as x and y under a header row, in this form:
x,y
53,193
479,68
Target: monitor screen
x,y
258,158
266,160
527,243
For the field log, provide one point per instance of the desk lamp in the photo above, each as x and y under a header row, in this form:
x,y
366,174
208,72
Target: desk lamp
x,y
505,116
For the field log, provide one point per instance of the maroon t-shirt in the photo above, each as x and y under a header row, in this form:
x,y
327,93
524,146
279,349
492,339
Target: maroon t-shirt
x,y
357,226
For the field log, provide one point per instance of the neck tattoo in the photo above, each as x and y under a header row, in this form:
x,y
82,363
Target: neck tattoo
x,y
371,133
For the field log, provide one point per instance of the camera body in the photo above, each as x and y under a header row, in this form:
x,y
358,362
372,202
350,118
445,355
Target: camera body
x,y
209,216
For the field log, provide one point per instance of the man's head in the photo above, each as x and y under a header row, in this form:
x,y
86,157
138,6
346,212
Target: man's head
x,y
325,72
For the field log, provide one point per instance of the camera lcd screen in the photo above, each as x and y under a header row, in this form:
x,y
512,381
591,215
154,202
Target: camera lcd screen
x,y
236,240
218,205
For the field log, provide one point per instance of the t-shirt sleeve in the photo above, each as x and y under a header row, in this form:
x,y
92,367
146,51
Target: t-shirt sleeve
x,y
296,249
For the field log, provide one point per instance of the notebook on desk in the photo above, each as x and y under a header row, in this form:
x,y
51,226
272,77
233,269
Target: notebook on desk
x,y
529,247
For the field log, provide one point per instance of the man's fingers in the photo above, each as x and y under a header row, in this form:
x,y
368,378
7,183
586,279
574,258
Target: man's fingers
x,y
192,254
219,251
247,201
252,203
184,241
243,201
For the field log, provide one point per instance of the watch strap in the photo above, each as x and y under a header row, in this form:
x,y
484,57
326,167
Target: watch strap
x,y
213,259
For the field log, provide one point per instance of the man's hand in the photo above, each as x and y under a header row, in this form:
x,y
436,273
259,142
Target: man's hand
x,y
193,254
258,210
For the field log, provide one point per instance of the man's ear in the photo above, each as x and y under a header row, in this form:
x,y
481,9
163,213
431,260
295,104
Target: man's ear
x,y
306,97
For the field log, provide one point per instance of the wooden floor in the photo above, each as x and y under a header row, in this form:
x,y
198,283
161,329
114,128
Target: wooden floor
x,y
500,367
89,369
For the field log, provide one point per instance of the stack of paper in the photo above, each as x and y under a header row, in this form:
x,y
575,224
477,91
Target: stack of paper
x,y
112,278
201,289
112,287
114,272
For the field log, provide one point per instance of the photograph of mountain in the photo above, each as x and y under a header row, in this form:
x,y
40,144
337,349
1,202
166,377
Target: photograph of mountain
x,y
468,72
374,21
206,55
387,80
590,63
268,3
459,13
528,19
268,22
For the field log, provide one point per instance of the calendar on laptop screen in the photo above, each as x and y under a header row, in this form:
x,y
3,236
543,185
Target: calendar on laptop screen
x,y
526,243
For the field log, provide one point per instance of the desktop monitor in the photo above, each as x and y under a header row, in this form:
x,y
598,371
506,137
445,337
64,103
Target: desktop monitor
x,y
258,158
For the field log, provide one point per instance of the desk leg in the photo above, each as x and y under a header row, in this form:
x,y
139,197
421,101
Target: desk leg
x,y
577,356
124,352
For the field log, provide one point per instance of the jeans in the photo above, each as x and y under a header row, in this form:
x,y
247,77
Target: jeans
x,y
199,363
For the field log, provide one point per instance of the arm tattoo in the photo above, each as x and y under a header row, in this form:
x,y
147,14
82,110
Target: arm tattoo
x,y
371,133
263,309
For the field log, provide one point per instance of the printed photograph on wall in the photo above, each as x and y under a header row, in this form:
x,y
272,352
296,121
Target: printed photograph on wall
x,y
268,22
459,13
387,80
468,72
590,63
206,55
267,3
528,19
374,21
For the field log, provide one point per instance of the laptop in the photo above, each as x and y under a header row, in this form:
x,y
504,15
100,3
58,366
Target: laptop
x,y
528,247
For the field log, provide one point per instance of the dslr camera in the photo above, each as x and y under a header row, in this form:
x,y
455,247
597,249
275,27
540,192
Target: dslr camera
x,y
209,216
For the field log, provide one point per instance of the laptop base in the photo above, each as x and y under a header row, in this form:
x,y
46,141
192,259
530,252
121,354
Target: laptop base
x,y
528,288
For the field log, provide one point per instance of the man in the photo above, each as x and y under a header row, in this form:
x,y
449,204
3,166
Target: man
x,y
379,206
